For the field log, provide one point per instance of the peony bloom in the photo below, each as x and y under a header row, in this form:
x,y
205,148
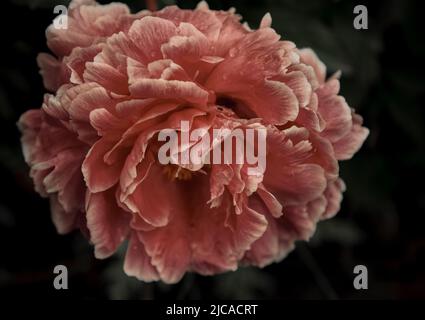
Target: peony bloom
x,y
119,79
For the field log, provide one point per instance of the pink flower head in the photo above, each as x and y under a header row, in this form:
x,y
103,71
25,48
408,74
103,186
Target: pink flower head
x,y
119,79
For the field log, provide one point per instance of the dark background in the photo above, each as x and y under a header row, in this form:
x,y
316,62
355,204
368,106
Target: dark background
x,y
382,218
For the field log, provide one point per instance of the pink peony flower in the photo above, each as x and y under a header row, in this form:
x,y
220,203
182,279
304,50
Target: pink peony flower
x,y
119,79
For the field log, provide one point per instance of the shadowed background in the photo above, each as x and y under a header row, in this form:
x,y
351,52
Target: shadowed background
x,y
382,218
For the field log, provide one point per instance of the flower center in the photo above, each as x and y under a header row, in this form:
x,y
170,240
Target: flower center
x,y
238,107
174,172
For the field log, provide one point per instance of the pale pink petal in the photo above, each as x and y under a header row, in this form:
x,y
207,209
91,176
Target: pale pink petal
x,y
148,34
90,97
169,89
266,21
144,199
310,58
204,20
99,175
137,262
53,71
242,77
333,194
77,60
266,249
107,223
106,76
273,205
349,144
288,176
64,221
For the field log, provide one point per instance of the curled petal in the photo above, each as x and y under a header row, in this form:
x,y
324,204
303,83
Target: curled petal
x,y
108,224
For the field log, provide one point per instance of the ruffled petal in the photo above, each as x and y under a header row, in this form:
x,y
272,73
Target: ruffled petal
x,y
108,224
